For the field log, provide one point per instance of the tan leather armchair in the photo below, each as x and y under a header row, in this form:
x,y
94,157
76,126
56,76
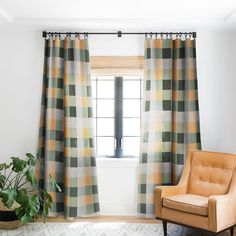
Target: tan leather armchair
x,y
205,196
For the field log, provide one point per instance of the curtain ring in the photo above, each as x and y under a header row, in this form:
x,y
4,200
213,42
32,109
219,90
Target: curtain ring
x,y
85,35
77,36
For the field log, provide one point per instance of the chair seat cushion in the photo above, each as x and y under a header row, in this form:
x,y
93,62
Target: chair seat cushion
x,y
194,204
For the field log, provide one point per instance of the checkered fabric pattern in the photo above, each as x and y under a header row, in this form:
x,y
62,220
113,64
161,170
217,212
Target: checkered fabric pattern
x,y
66,143
170,117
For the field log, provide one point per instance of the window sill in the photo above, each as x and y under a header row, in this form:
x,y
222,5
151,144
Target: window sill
x,y
104,162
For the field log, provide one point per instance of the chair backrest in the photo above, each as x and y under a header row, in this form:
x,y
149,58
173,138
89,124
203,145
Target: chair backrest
x,y
210,173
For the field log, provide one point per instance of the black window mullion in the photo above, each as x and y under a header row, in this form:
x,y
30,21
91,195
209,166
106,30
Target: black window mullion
x,y
118,121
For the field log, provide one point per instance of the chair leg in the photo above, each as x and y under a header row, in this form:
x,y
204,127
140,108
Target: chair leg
x,y
232,231
164,224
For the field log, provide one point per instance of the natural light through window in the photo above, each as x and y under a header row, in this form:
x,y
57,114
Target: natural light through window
x,y
117,104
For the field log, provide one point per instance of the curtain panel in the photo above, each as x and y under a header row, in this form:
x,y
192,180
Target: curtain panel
x,y
66,141
170,116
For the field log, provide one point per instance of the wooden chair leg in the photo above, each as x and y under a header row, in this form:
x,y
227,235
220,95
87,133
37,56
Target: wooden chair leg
x,y
164,224
232,231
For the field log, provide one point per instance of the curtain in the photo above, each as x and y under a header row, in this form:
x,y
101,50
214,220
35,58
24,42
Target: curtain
x,y
170,116
66,142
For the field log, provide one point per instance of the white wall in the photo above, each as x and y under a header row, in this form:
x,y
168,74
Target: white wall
x,y
21,59
217,89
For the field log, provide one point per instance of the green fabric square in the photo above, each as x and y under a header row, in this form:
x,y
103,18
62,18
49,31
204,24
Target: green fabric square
x,y
94,189
166,156
73,161
142,208
166,136
143,188
166,53
72,211
73,142
70,54
144,157
148,85
73,192
59,135
166,84
90,112
72,90
72,111
59,103
147,106
166,105
60,83
180,138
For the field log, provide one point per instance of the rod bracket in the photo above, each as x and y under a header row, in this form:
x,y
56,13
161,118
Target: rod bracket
x,y
119,34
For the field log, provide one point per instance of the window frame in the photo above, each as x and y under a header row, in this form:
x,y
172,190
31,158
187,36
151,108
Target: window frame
x,y
118,67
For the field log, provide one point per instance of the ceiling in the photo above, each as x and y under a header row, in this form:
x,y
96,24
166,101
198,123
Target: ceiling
x,y
110,15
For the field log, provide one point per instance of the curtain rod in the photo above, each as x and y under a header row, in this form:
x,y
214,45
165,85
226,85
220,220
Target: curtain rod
x,y
119,33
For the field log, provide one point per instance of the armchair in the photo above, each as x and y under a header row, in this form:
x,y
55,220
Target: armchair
x,y
205,196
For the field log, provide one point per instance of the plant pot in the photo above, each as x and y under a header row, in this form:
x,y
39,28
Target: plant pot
x,y
8,218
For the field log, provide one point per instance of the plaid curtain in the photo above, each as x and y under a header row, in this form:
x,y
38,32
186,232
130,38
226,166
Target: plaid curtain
x,y
66,143
170,117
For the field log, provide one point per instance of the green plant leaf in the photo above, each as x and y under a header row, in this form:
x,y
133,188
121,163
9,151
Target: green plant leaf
x,y
19,211
22,198
32,160
31,177
8,197
54,184
34,205
18,165
4,166
2,181
25,219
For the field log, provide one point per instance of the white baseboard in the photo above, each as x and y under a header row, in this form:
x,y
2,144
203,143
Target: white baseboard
x,y
119,210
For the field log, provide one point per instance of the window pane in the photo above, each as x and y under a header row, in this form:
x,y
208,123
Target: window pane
x,y
105,89
105,146
131,146
94,89
131,108
105,108
131,89
105,126
131,126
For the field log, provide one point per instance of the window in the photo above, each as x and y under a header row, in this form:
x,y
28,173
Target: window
x,y
117,107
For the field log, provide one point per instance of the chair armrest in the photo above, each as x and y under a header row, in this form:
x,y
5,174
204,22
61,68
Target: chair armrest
x,y
165,191
221,211
181,188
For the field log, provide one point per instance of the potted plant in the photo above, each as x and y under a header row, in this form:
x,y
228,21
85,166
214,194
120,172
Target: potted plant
x,y
21,199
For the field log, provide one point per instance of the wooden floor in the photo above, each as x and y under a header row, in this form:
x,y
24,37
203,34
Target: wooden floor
x,y
173,230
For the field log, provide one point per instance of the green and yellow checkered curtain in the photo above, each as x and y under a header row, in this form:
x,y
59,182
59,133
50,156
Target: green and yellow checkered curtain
x,y
66,142
170,117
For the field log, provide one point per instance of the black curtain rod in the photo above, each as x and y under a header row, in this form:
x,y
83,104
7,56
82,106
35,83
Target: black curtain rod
x,y
119,33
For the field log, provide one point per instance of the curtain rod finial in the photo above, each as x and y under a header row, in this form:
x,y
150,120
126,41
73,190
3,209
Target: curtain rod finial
x,y
194,35
44,33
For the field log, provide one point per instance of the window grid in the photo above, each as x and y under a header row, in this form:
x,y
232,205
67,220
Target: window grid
x,y
96,79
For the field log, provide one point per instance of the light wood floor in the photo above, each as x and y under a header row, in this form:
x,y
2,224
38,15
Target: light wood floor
x,y
173,230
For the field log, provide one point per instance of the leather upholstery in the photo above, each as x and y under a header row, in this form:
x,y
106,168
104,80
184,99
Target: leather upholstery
x,y
205,196
190,203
